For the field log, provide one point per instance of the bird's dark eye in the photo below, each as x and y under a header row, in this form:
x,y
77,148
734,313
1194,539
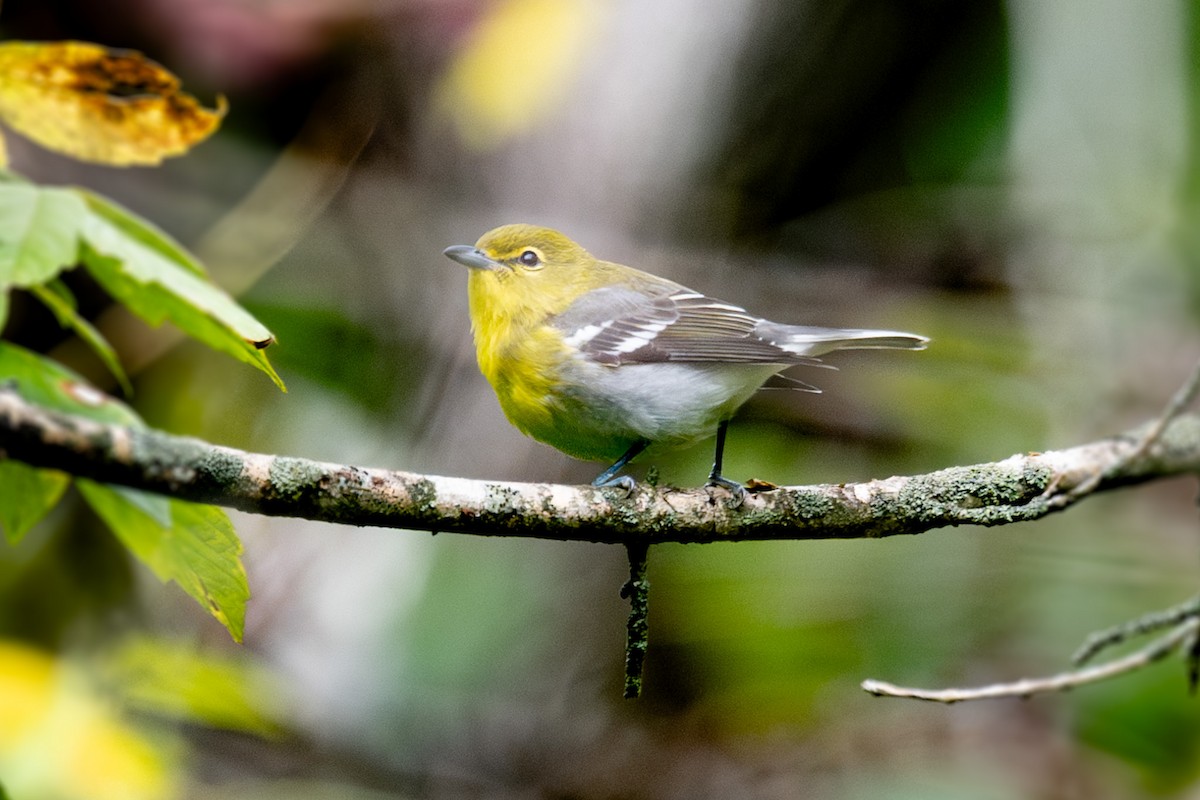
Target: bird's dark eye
x,y
529,258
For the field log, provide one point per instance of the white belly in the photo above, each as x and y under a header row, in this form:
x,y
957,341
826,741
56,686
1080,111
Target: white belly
x,y
665,403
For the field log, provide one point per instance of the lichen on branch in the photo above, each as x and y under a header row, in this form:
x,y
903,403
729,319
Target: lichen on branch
x,y
1018,488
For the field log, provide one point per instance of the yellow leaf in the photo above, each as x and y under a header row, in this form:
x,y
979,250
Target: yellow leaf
x,y
109,761
59,739
516,67
26,690
111,107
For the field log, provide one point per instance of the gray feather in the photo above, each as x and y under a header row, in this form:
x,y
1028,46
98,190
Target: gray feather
x,y
625,326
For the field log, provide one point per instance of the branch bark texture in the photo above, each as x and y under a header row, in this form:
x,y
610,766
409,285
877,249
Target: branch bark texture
x,y
1018,488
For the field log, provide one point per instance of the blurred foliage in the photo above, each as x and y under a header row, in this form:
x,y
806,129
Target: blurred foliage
x,y
517,67
59,739
92,726
178,681
340,354
1157,734
927,106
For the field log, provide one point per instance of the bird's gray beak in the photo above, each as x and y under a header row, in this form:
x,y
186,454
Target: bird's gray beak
x,y
469,256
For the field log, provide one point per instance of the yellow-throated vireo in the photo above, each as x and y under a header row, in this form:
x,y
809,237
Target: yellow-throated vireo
x,y
602,360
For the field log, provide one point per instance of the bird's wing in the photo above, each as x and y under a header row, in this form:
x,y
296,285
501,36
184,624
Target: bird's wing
x,y
624,326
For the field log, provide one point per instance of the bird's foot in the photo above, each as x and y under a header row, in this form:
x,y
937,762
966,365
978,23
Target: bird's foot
x,y
622,482
736,490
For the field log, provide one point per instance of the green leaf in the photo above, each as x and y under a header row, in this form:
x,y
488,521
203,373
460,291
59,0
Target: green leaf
x,y
137,235
49,384
155,506
174,679
57,297
27,495
142,268
39,232
198,549
3,307
193,545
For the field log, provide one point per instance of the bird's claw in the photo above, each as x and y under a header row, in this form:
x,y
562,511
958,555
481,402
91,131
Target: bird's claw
x,y
623,482
736,490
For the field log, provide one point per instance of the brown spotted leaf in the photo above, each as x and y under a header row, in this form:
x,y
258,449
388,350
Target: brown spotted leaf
x,y
107,106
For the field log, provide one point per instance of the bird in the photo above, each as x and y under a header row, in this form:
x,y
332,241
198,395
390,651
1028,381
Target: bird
x,y
603,361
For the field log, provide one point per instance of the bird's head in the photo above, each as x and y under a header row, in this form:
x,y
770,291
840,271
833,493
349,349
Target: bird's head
x,y
524,272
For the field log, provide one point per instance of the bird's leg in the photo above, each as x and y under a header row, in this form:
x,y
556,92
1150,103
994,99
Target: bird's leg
x,y
715,478
608,479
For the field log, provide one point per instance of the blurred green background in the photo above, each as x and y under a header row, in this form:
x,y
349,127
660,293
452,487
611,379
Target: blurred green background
x,y
1018,181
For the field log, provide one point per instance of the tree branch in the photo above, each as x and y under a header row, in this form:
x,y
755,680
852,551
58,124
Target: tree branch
x,y
637,629
1181,636
1019,488
1147,623
1148,435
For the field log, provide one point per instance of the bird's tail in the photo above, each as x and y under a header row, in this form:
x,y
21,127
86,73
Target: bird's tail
x,y
809,341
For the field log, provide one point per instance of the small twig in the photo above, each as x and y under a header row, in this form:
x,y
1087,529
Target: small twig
x,y
1156,650
1182,398
1147,623
637,590
1192,648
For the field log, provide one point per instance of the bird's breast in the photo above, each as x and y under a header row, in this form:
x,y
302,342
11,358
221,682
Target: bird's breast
x,y
525,370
